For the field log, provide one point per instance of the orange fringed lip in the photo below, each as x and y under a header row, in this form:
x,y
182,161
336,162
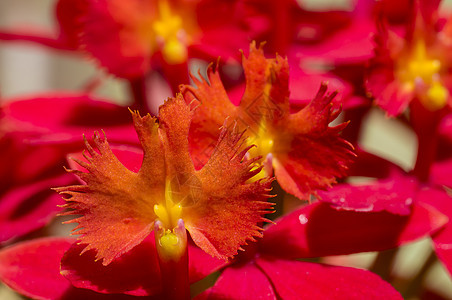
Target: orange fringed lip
x,y
303,151
221,209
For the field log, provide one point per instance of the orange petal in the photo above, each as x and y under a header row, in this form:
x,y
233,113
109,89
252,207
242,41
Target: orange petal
x,y
317,154
212,108
229,209
116,204
267,88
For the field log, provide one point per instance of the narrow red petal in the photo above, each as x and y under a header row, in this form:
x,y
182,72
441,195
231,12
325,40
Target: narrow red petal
x,y
305,233
29,207
304,280
241,282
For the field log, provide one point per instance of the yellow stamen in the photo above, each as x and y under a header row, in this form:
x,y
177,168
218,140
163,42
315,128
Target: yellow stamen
x,y
421,73
437,96
168,28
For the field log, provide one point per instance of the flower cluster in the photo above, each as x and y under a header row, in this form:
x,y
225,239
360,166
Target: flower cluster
x,y
243,183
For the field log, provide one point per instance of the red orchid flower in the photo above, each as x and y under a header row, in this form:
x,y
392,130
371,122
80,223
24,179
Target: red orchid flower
x,y
415,66
119,208
304,152
34,142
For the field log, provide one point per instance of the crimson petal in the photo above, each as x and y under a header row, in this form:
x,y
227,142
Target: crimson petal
x,y
29,207
305,233
304,280
241,282
33,269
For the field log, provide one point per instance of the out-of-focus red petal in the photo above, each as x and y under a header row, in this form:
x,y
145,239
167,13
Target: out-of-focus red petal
x,y
304,86
304,280
394,195
245,281
317,154
369,165
77,114
227,208
441,173
68,13
114,216
130,157
33,268
348,46
442,239
319,230
29,207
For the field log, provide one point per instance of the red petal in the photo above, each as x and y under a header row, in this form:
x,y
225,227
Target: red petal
x,y
241,282
441,173
394,195
303,280
33,269
77,114
320,230
23,271
202,264
29,207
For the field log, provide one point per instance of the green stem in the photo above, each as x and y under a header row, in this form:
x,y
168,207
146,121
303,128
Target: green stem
x,y
384,262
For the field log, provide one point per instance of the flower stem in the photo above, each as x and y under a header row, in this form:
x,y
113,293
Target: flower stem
x,y
173,260
383,263
425,124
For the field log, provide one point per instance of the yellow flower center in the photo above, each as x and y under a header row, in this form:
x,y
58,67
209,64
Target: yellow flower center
x,y
170,34
169,234
264,145
421,73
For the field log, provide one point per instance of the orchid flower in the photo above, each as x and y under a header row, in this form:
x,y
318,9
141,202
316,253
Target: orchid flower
x,y
119,208
301,148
